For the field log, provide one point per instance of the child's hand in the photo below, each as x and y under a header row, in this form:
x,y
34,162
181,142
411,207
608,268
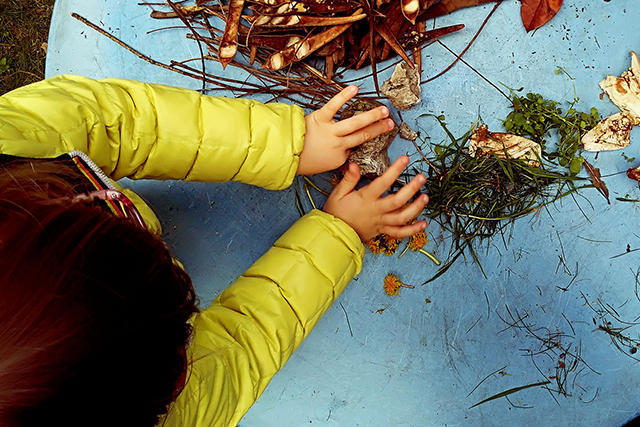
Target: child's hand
x,y
327,143
368,213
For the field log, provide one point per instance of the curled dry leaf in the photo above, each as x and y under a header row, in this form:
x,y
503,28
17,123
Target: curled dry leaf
x,y
612,133
596,180
536,13
444,7
624,91
504,145
634,173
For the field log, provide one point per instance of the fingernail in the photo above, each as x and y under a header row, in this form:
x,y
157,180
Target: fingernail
x,y
353,89
421,179
405,160
424,198
390,124
384,111
423,225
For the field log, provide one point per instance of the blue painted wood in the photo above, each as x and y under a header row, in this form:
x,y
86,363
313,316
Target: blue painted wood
x,y
416,363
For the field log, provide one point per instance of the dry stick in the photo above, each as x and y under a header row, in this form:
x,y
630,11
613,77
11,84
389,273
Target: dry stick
x,y
439,172
372,54
186,22
485,378
478,73
174,65
173,27
135,52
347,316
467,47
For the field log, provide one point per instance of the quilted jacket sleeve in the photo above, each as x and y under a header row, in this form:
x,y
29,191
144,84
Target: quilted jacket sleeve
x,y
251,329
138,130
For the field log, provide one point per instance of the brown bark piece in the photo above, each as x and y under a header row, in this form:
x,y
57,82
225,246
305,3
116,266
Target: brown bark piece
x,y
403,88
371,156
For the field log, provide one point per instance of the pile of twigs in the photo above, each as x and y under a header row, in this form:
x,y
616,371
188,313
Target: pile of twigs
x,y
301,46
299,50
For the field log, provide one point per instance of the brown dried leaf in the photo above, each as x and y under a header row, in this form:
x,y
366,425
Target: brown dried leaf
x,y
596,180
536,13
447,6
634,173
391,39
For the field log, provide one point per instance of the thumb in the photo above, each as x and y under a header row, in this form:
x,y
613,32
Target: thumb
x,y
349,181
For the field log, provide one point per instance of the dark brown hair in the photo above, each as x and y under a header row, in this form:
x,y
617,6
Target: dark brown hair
x,y
93,309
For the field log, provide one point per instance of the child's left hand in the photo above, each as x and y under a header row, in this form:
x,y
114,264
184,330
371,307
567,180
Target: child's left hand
x,y
327,143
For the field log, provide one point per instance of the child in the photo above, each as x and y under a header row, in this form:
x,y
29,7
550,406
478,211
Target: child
x,y
98,324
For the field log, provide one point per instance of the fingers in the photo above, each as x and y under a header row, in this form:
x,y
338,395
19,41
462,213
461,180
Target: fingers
x,y
399,199
360,121
348,182
384,181
405,215
368,133
400,232
331,108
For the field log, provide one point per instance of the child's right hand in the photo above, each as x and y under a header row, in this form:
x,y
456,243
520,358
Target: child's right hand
x,y
368,213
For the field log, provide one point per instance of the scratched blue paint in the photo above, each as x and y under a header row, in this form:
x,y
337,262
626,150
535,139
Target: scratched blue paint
x,y
415,363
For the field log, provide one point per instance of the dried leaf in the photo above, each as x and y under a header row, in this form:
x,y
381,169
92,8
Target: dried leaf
x,y
447,6
597,182
536,13
634,173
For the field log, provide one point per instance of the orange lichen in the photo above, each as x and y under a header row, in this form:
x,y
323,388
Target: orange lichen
x,y
392,283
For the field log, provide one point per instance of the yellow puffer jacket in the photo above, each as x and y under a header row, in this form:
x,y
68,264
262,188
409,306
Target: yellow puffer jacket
x,y
137,130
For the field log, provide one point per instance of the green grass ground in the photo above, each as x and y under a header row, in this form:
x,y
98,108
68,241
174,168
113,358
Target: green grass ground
x,y
24,29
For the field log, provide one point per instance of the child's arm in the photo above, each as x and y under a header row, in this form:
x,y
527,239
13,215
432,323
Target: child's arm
x,y
137,130
251,329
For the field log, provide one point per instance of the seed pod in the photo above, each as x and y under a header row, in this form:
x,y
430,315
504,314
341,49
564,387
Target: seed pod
x,y
410,9
305,47
229,42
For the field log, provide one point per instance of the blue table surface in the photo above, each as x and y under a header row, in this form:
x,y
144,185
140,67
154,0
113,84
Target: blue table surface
x,y
416,363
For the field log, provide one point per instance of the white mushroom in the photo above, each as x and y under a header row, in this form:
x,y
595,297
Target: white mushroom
x,y
624,91
612,133
504,145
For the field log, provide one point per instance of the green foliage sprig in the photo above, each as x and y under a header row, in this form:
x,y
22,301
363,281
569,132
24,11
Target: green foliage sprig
x,y
535,117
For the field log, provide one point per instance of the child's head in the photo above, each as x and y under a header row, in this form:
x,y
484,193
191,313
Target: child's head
x,y
93,311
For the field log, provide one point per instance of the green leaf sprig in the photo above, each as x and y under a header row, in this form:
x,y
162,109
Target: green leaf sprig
x,y
535,117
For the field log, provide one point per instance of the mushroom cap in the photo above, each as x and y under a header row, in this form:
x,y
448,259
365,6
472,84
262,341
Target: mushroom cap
x,y
504,145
